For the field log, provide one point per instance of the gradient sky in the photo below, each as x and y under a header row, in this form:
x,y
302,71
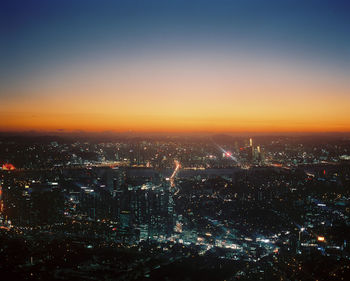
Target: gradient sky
x,y
218,66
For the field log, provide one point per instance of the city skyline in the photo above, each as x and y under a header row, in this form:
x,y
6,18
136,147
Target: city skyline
x,y
194,140
174,66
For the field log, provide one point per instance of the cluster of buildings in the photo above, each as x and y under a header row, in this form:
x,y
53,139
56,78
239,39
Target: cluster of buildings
x,y
238,203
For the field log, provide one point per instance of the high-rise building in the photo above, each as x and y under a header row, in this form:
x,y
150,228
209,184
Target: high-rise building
x,y
144,231
125,220
119,176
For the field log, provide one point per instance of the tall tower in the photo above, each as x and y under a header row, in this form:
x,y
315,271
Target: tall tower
x,y
258,153
251,150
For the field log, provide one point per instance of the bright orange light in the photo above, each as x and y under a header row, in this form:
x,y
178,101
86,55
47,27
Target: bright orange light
x,y
8,167
321,238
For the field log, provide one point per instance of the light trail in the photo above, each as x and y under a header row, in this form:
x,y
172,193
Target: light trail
x,y
177,168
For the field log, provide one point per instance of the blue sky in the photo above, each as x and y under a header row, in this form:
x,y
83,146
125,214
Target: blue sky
x,y
40,33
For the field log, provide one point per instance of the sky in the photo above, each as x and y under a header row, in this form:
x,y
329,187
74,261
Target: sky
x,y
175,66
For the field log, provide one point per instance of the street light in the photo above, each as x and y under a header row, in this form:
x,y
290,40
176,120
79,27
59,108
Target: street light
x,y
301,230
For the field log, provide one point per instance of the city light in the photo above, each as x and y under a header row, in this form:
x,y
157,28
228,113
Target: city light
x,y
320,238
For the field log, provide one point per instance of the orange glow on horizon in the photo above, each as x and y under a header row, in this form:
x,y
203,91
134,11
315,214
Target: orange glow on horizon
x,y
196,116
95,123
180,96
